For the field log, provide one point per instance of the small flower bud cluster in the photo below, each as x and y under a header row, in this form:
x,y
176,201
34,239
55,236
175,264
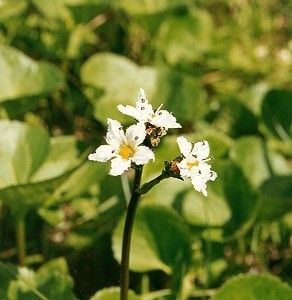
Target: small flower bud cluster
x,y
134,146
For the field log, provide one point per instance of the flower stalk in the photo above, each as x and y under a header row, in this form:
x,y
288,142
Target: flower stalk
x,y
127,234
20,240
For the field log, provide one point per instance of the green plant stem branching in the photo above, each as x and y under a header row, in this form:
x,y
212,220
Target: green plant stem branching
x,y
130,216
137,191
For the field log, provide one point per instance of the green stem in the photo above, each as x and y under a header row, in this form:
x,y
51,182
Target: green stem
x,y
130,216
20,240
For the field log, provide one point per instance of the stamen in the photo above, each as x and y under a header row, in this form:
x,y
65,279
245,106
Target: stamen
x,y
126,151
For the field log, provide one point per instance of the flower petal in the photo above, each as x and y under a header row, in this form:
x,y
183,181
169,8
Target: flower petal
x,y
201,150
185,147
119,166
129,111
144,109
199,184
142,155
135,134
102,153
115,134
163,118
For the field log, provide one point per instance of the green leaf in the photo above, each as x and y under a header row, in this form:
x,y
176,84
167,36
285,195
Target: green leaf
x,y
276,197
119,79
254,286
11,8
112,293
186,38
256,160
181,94
199,210
159,241
23,77
62,156
31,168
276,113
239,196
51,281
23,149
142,7
235,119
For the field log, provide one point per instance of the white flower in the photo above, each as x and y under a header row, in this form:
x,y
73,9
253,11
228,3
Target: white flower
x,y
143,112
194,163
123,149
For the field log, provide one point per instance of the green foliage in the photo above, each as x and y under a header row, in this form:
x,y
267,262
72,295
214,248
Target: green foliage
x,y
112,293
51,281
254,287
222,69
160,240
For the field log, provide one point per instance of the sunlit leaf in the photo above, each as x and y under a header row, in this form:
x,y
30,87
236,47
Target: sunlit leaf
x,y
119,80
141,7
112,293
23,149
254,286
11,8
22,77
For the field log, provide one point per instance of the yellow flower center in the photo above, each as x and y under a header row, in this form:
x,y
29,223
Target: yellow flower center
x,y
192,164
126,151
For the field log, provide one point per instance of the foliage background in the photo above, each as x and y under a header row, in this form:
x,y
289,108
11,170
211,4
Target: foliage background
x,y
223,68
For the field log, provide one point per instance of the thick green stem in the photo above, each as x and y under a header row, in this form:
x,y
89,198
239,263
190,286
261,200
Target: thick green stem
x,y
20,240
130,216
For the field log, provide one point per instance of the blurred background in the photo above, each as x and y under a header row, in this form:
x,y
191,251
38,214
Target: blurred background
x,y
224,69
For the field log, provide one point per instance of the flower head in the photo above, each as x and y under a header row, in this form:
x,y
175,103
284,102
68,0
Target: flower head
x,y
143,112
123,148
194,163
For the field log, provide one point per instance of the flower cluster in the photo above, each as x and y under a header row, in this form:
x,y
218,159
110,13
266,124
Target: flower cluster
x,y
134,146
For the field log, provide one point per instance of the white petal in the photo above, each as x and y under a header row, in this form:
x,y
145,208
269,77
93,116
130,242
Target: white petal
x,y
141,98
144,109
201,150
142,155
102,153
115,134
162,118
135,134
185,147
199,184
129,111
119,166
